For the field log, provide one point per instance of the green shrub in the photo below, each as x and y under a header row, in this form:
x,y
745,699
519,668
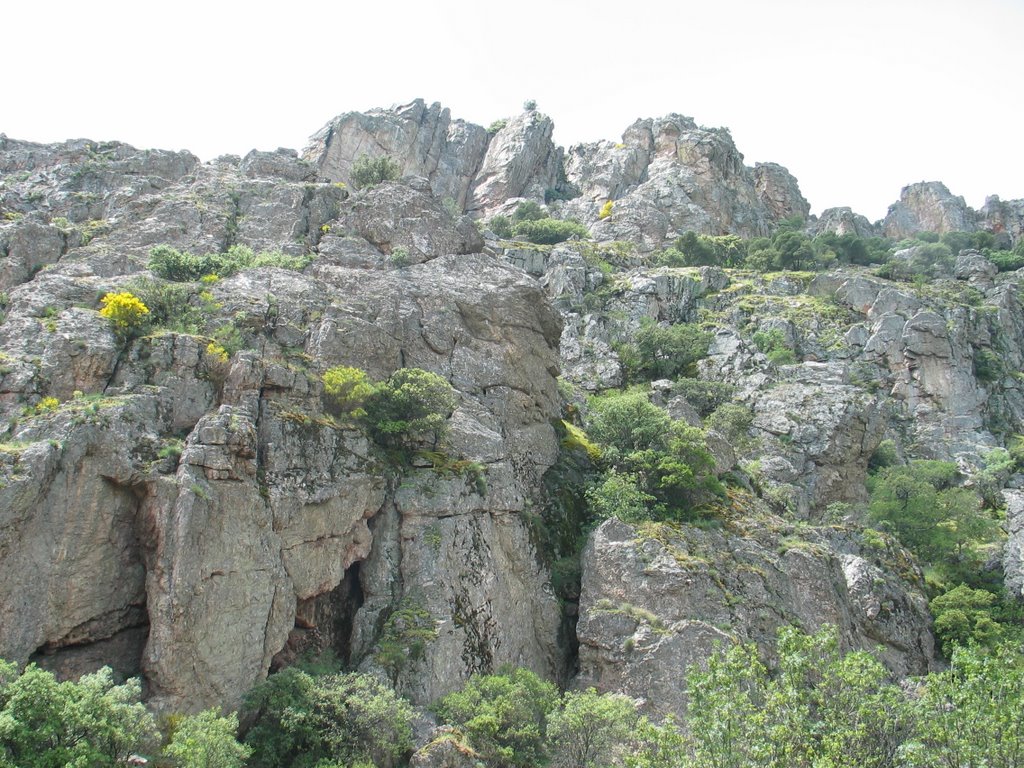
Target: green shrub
x,y
49,724
620,495
503,716
550,231
705,396
207,740
347,389
773,344
528,210
664,352
412,406
171,264
496,126
1006,261
501,226
964,616
369,171
171,305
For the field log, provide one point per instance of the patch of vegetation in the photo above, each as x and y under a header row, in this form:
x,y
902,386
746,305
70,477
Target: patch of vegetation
x,y
368,172
171,264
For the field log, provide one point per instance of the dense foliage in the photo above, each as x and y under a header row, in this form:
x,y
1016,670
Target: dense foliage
x,y
49,724
301,720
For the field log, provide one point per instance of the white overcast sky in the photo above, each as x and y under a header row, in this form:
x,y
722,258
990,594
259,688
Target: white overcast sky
x,y
857,99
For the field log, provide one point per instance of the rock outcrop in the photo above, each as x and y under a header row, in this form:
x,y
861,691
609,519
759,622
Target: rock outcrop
x,y
423,140
183,503
927,206
204,507
658,599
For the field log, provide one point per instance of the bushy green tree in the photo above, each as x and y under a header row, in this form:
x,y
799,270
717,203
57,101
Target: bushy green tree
x,y
528,210
620,495
347,389
207,740
412,406
369,171
300,721
964,616
591,730
504,716
970,715
50,724
940,523
664,351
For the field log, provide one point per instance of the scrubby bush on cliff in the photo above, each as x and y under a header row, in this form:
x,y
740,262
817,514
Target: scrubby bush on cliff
x,y
369,171
412,406
172,264
648,456
944,525
126,313
664,351
549,231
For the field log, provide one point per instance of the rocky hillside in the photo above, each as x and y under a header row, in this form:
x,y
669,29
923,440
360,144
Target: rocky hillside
x,y
181,498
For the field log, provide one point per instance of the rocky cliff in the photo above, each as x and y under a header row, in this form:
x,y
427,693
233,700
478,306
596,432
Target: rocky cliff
x,y
184,505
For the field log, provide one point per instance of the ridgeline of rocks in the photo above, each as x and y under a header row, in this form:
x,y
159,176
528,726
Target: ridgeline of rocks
x,y
184,505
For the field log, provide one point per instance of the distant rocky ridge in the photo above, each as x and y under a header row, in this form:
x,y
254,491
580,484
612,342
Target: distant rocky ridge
x,y
200,522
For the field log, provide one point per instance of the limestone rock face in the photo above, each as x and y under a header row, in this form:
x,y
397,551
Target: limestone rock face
x,y
927,206
694,180
1005,219
423,140
779,191
408,217
843,221
1013,554
191,516
521,161
657,600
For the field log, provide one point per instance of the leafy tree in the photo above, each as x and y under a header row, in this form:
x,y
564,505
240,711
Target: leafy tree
x,y
941,524
369,171
503,716
207,740
50,724
347,389
501,226
705,396
528,210
661,352
591,730
301,720
627,421
970,715
964,616
794,250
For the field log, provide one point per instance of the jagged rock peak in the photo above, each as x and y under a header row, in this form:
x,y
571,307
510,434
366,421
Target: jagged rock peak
x,y
927,206
424,140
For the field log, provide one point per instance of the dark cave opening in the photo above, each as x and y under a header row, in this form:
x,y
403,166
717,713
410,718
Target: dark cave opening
x,y
323,625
